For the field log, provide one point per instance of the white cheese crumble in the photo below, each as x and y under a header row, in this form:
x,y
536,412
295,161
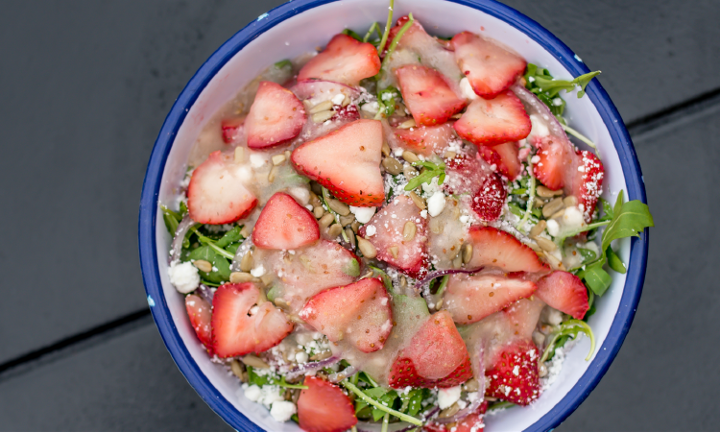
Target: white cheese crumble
x,y
244,174
436,204
371,107
448,396
301,357
258,272
572,218
466,90
362,214
553,228
257,160
283,410
338,99
302,195
370,230
538,126
184,276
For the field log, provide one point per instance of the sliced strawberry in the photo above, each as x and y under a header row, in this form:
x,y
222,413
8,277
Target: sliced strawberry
x,y
232,129
426,140
348,113
489,200
236,331
465,174
490,68
394,31
427,95
472,298
200,314
389,222
275,118
471,423
587,182
216,194
312,269
493,122
504,157
496,248
347,162
359,313
345,60
284,225
324,407
514,375
317,91
553,160
565,292
435,357
523,315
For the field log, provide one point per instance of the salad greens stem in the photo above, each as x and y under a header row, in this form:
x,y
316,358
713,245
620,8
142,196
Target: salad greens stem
x,y
326,199
584,229
395,40
380,406
374,27
386,421
384,276
531,195
209,242
570,327
580,137
388,25
443,284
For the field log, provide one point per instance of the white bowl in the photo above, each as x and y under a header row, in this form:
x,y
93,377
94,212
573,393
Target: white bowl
x,y
300,26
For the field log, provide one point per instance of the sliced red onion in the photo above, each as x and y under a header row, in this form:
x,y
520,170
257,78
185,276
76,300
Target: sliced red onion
x,y
302,369
435,274
180,232
206,293
432,412
340,375
241,251
533,105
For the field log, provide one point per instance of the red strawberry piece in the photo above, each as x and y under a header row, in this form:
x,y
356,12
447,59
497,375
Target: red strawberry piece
x,y
200,314
523,315
587,182
426,140
345,60
565,292
490,68
348,113
359,313
465,174
389,223
496,248
472,298
514,375
324,407
285,225
317,91
347,162
493,122
471,423
489,199
216,194
232,129
504,157
313,269
275,118
553,160
427,95
236,330
435,357
394,31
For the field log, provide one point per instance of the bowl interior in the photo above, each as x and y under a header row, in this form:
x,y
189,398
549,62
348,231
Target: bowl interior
x,y
293,33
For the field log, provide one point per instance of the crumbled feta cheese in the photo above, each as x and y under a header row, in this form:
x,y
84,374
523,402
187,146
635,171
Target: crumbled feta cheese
x,y
362,214
464,219
257,160
572,218
424,213
553,228
592,246
253,393
309,207
283,410
432,187
371,107
466,90
557,102
301,357
244,174
302,195
338,99
258,272
448,396
538,126
370,230
184,276
436,204
554,316
398,151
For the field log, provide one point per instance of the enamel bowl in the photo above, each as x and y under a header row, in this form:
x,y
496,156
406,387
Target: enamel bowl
x,y
301,25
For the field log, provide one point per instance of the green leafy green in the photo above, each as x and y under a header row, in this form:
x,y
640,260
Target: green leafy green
x,y
351,268
270,379
395,40
353,34
596,278
629,219
385,278
614,261
205,252
531,195
563,332
388,98
388,25
375,27
282,64
550,87
171,218
232,235
378,405
432,170
387,400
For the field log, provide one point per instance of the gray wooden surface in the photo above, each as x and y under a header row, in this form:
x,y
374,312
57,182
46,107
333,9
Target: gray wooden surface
x,y
84,88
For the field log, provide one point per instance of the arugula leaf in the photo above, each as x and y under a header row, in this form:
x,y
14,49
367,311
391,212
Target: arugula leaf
x,y
563,332
282,64
353,35
351,268
388,98
629,219
233,235
183,210
255,378
433,170
551,87
171,218
615,262
596,278
386,279
205,252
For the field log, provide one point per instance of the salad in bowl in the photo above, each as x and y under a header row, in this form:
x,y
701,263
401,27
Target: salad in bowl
x,y
399,231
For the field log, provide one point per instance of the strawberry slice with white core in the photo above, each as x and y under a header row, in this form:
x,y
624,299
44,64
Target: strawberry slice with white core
x,y
236,331
317,91
465,174
324,407
200,314
427,95
275,118
346,162
504,157
387,234
426,140
472,298
499,249
565,292
285,225
551,162
435,357
232,129
514,376
490,67
345,60
359,313
216,194
493,122
523,315
587,180
489,200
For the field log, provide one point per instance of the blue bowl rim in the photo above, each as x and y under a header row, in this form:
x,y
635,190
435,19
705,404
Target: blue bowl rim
x,y
151,186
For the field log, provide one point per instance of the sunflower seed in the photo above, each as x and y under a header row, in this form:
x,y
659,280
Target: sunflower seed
x,y
558,214
318,212
409,231
407,124
449,154
552,207
254,362
447,413
546,244
239,155
392,165
323,106
278,159
471,385
335,230
339,207
542,370
238,370
546,192
246,263
538,202
355,226
321,355
538,228
385,149
570,200
367,249
419,202
314,199
203,265
323,116
410,157
467,253
326,220
240,277
351,236
394,250
347,220
409,171
272,174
